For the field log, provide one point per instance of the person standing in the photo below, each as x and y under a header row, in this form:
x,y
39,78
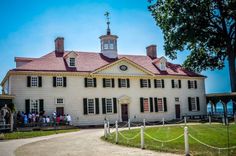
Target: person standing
x,y
69,120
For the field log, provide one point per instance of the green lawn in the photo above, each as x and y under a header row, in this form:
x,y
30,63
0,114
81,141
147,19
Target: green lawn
x,y
31,134
214,135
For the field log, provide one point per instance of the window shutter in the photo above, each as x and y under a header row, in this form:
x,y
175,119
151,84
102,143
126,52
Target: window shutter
x,y
40,81
179,83
155,83
104,82
85,82
165,104
64,82
97,105
149,83
113,83
156,105
141,83
189,104
141,105
41,105
115,105
27,106
28,81
198,103
85,106
151,104
173,83
163,83
95,82
103,106
189,86
128,85
195,84
54,81
119,83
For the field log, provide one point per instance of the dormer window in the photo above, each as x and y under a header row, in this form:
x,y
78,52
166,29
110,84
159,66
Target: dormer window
x,y
72,62
162,66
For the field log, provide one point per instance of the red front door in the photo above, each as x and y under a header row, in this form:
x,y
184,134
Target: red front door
x,y
124,112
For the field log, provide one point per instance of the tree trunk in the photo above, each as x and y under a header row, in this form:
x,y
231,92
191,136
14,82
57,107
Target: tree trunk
x,y
232,72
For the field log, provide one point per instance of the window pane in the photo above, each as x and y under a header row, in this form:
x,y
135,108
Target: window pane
x,y
60,101
145,83
123,83
109,105
191,84
34,106
145,105
91,106
193,103
72,62
90,82
108,82
34,81
160,104
59,81
158,84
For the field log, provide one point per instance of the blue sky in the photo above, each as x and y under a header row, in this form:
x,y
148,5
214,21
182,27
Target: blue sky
x,y
28,29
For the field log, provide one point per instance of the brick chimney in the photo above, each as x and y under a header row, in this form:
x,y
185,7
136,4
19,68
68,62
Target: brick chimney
x,y
152,51
59,45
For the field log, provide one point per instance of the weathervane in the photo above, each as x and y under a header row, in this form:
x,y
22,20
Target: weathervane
x,y
108,22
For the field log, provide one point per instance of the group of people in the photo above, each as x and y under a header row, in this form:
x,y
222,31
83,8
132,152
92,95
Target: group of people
x,y
35,117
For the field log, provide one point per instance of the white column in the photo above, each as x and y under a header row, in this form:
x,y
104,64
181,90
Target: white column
x,y
185,120
105,130
144,124
108,127
129,124
209,119
186,141
163,121
142,137
116,132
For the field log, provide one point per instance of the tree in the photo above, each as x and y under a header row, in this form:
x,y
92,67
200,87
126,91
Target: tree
x,y
204,27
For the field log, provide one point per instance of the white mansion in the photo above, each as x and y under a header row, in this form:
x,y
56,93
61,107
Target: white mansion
x,y
92,87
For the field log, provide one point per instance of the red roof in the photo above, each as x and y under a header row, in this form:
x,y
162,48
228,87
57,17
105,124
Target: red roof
x,y
90,61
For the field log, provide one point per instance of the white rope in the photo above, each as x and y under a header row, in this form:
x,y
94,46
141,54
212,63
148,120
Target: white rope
x,y
210,146
129,138
163,141
174,122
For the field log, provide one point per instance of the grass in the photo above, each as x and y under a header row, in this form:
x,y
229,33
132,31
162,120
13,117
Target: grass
x,y
214,135
32,134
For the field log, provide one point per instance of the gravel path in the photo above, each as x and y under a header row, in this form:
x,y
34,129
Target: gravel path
x,y
83,143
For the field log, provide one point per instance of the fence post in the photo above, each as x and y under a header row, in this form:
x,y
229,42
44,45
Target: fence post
x,y
163,121
105,130
227,121
223,120
235,118
116,132
129,124
108,127
186,141
144,124
185,120
142,137
209,119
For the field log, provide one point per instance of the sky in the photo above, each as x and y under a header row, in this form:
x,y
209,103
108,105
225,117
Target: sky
x,y
28,29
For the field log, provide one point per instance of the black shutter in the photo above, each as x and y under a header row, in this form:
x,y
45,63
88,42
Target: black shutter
x,y
95,82
97,105
119,83
198,104
54,81
128,85
173,83
104,82
85,82
40,81
113,83
151,104
189,85
141,83
163,83
41,105
103,106
27,106
28,81
189,104
115,105
155,83
64,82
141,105
149,83
85,106
165,104
156,105
195,83
179,83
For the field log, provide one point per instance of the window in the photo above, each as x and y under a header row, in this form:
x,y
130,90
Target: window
x,y
111,44
160,105
176,83
158,83
105,45
59,81
90,82
144,83
145,105
108,83
163,66
91,106
34,106
192,84
193,104
176,99
123,83
59,101
34,81
109,105
72,62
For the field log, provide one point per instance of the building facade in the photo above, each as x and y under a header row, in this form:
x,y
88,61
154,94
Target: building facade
x,y
92,87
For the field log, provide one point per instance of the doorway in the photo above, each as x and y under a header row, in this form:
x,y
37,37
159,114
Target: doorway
x,y
60,110
177,111
124,112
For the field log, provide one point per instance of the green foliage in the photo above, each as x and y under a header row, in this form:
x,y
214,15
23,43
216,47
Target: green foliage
x,y
204,27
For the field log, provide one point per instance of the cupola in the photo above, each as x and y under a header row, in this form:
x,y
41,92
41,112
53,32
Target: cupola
x,y
109,42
